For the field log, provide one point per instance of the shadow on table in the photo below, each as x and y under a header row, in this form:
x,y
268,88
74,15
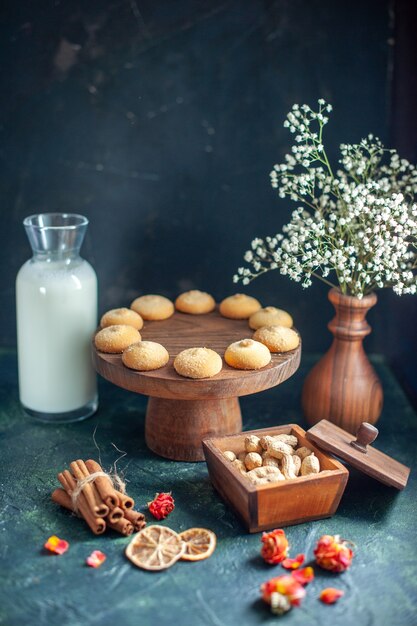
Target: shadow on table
x,y
261,609
256,562
201,504
369,499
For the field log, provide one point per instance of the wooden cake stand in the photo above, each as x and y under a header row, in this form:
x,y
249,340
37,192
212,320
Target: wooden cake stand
x,y
181,411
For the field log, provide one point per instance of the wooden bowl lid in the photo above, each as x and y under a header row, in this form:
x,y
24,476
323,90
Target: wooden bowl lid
x,y
358,453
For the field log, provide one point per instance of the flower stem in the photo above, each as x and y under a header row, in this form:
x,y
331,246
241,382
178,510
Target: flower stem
x,y
324,280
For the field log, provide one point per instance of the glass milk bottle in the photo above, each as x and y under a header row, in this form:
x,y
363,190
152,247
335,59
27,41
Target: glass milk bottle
x,y
56,301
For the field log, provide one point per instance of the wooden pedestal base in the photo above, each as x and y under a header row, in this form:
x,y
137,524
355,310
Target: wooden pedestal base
x,y
175,429
184,411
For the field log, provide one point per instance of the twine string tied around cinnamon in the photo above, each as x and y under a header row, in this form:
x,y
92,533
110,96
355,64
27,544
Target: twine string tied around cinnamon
x,y
115,479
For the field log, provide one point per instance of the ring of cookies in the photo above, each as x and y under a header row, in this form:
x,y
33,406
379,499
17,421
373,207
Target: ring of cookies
x,y
119,334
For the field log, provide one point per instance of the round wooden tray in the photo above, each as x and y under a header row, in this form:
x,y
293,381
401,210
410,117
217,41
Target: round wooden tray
x,y
181,411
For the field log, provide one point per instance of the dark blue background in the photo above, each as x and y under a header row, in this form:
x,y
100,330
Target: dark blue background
x,y
160,121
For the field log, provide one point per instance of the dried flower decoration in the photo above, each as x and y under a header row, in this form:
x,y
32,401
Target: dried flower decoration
x,y
162,505
282,593
303,576
293,563
96,559
274,546
330,595
333,553
56,545
356,225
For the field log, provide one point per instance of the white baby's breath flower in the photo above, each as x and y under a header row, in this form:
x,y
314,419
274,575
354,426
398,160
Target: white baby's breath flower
x,y
358,223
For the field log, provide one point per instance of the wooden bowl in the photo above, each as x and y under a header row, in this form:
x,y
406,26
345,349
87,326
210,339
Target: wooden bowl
x,y
263,507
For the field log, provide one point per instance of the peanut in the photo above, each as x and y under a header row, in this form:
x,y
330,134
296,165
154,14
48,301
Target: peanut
x,y
272,478
290,440
252,444
310,465
239,466
278,449
303,452
253,460
264,441
287,466
272,473
270,461
274,458
297,464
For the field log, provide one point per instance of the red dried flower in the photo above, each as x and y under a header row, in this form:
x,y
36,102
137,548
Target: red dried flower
x,y
303,576
333,553
293,563
282,593
274,546
162,505
56,545
330,595
96,559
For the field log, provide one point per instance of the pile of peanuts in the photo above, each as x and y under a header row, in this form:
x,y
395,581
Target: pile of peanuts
x,y
270,459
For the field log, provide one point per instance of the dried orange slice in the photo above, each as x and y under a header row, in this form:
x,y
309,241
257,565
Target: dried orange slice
x,y
199,544
155,548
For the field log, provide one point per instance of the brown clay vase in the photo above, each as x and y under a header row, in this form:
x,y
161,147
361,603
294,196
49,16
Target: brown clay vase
x,y
343,387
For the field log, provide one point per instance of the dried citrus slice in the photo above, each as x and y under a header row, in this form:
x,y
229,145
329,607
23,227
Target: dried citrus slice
x,y
155,548
199,544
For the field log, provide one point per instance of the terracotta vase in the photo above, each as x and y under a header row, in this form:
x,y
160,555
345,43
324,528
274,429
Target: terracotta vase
x,y
343,387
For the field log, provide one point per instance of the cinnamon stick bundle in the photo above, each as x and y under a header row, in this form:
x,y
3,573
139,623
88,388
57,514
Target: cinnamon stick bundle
x,y
115,512
80,472
97,524
104,485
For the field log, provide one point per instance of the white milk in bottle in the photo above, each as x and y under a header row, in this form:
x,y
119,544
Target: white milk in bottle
x,y
56,300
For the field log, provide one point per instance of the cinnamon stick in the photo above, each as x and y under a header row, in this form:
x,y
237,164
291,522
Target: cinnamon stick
x,y
80,472
61,497
103,484
136,518
115,514
97,524
125,501
122,526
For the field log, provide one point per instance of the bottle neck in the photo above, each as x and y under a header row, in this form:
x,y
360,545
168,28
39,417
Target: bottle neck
x,y
63,257
56,237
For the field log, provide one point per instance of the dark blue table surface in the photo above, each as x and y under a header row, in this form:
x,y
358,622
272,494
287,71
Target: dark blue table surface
x,y
36,589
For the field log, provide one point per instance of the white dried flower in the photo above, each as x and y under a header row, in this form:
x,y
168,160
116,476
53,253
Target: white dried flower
x,y
358,224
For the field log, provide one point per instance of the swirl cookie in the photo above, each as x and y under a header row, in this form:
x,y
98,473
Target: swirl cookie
x,y
270,316
239,307
195,302
277,338
115,339
247,354
153,307
198,363
145,356
121,316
